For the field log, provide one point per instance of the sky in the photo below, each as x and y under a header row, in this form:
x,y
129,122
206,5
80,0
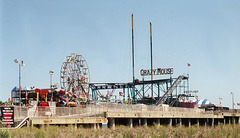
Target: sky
x,y
203,33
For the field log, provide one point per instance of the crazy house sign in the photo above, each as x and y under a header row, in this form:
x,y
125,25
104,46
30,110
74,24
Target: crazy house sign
x,y
158,71
7,116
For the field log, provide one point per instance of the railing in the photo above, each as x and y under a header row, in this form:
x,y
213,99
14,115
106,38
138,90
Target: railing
x,y
20,112
151,109
99,109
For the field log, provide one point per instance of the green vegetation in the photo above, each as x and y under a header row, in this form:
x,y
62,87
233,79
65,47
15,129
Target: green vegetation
x,y
124,132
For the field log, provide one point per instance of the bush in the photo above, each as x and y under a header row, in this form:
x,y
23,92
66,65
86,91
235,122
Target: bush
x,y
79,135
124,131
39,134
4,134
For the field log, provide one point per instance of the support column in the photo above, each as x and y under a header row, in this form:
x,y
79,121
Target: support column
x,y
239,121
189,122
206,120
180,121
234,121
158,122
213,122
31,124
75,126
139,122
112,123
98,126
170,123
229,121
95,126
130,123
144,122
198,123
224,121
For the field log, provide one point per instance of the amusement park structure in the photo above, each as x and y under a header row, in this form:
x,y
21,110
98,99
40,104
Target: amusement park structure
x,y
163,91
139,102
76,88
170,91
75,75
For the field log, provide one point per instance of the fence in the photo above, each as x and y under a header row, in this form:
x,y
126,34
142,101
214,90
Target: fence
x,y
99,109
20,112
140,108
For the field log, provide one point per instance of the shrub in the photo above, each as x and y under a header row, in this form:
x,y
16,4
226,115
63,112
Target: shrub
x,y
39,134
4,134
128,134
190,131
79,135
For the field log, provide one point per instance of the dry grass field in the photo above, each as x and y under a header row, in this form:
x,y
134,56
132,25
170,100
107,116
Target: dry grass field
x,y
220,131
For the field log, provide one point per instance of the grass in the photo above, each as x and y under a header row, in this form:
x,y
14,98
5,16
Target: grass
x,y
154,131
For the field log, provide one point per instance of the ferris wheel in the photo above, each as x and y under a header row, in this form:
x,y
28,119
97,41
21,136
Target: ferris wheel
x,y
75,74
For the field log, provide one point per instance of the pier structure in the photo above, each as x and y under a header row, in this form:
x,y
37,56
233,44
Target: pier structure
x,y
112,115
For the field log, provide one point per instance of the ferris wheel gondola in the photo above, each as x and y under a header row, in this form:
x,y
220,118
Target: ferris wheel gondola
x,y
75,74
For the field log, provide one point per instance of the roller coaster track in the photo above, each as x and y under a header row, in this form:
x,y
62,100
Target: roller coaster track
x,y
170,90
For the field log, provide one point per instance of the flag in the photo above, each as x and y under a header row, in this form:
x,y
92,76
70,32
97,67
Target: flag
x,y
188,64
238,104
109,93
121,94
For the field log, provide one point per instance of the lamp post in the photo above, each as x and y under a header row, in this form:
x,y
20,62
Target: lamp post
x,y
20,64
232,100
51,73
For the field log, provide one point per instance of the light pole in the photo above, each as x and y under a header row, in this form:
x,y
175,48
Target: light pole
x,y
51,73
232,100
20,64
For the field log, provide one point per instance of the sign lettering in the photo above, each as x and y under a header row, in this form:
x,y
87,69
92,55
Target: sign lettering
x,y
158,71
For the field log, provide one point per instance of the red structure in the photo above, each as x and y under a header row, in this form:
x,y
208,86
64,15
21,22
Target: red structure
x,y
42,106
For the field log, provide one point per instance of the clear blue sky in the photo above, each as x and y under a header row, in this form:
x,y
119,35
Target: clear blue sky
x,y
203,33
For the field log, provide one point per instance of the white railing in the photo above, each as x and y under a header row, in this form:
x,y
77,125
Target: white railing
x,y
98,110
151,109
20,113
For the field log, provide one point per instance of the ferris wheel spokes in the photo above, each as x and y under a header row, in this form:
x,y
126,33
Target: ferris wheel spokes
x,y
75,74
